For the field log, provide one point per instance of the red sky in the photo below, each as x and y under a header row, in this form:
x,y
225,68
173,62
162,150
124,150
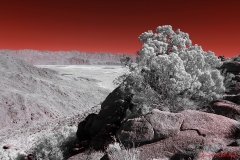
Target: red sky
x,y
114,25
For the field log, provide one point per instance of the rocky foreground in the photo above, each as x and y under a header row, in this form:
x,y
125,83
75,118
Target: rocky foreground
x,y
211,133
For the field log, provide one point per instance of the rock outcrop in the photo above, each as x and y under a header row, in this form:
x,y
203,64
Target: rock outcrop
x,y
156,125
99,130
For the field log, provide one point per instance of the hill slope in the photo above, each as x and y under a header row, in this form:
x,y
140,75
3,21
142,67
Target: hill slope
x,y
29,94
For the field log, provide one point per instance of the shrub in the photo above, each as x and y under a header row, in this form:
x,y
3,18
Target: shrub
x,y
54,146
171,73
118,152
125,60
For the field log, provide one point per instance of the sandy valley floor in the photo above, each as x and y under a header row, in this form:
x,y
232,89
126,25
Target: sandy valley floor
x,y
103,75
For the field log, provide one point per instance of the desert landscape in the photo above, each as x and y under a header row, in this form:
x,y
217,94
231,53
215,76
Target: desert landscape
x,y
74,111
119,80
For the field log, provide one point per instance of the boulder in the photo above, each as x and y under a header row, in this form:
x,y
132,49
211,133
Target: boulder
x,y
208,124
83,131
199,132
98,130
101,141
226,108
172,147
113,111
104,137
153,126
165,124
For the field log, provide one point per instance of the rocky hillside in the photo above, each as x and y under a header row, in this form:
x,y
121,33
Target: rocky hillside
x,y
36,57
29,94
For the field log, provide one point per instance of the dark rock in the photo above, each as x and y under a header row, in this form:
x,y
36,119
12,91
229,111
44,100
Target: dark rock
x,y
113,111
80,131
105,157
85,143
87,128
104,137
101,141
235,89
83,131
233,98
233,66
99,129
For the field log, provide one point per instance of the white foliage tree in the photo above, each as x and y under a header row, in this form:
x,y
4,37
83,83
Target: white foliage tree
x,y
171,73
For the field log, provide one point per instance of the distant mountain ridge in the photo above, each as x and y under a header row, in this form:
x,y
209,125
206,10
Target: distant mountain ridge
x,y
36,57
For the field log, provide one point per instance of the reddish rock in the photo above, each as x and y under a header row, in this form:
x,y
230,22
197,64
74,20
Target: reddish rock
x,y
199,131
171,147
155,125
226,108
165,124
208,124
233,98
137,130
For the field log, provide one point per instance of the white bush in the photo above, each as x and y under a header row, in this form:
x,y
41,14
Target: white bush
x,y
118,152
169,70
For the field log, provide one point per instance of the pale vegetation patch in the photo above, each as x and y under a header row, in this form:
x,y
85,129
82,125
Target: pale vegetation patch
x,y
54,146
